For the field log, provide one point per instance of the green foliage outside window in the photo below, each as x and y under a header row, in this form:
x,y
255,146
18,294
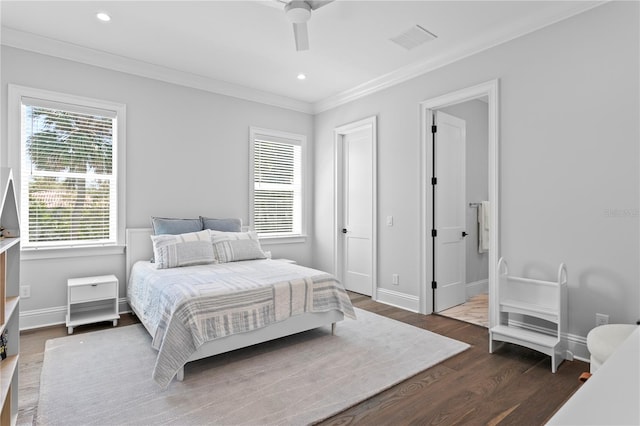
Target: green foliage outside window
x,y
70,181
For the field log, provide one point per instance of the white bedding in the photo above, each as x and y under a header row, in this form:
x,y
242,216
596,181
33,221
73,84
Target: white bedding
x,y
183,308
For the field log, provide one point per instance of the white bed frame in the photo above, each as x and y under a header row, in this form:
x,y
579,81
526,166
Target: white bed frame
x,y
139,248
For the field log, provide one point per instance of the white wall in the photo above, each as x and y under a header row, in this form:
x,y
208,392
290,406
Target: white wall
x,y
187,155
569,138
569,164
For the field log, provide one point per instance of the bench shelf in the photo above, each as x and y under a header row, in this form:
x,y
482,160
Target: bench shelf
x,y
545,300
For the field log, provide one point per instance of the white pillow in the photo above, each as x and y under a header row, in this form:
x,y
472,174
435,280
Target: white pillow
x,y
193,248
235,246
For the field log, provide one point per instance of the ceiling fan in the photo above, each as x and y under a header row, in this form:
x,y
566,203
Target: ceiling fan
x,y
299,12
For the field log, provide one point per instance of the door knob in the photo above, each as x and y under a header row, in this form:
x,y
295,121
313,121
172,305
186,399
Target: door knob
x,y
464,234
344,230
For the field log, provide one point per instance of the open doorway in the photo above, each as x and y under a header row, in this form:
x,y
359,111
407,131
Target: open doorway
x,y
470,120
475,115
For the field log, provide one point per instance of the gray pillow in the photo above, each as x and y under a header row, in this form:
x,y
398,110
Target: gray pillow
x,y
175,226
235,246
172,251
224,225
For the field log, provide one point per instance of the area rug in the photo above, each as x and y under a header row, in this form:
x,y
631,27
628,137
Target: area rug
x,y
104,377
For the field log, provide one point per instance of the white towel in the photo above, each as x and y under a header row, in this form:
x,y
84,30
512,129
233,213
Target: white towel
x,y
484,220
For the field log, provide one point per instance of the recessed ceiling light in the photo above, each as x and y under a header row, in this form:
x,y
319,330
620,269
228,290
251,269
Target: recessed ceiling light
x,y
301,76
103,16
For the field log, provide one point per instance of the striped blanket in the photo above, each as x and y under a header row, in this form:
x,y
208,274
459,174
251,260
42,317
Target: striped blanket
x,y
184,308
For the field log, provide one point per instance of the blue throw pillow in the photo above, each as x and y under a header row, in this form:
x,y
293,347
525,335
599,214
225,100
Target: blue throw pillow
x,y
224,225
174,226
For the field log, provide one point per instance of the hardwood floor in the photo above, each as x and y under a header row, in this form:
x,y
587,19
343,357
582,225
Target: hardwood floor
x,y
513,386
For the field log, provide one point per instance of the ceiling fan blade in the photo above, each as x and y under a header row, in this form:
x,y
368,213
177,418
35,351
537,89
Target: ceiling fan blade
x,y
315,4
301,35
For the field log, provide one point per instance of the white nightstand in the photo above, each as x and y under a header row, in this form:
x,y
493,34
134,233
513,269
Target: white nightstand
x,y
92,299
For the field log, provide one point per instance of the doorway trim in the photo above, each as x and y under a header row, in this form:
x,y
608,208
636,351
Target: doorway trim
x,y
490,90
338,134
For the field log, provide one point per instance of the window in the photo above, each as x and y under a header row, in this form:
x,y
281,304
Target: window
x,y
69,170
277,183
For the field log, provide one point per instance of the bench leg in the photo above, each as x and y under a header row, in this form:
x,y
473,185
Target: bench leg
x,y
333,329
180,374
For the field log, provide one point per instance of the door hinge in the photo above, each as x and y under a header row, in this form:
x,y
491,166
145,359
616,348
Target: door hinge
x,y
434,181
434,285
434,128
434,232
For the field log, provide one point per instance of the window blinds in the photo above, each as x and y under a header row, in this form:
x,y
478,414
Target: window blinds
x,y
277,187
68,193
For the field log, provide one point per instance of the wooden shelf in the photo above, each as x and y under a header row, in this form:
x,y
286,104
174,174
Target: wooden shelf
x,y
7,243
10,305
8,368
9,298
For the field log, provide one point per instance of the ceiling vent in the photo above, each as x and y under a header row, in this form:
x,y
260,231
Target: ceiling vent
x,y
413,37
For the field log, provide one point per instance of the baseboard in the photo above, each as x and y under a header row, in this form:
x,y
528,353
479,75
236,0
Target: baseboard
x,y
477,287
576,345
398,299
47,317
38,318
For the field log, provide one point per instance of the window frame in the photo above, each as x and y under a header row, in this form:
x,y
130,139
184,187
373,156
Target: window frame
x,y
16,94
286,137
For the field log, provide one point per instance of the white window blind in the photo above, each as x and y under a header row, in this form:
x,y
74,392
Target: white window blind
x,y
277,186
68,174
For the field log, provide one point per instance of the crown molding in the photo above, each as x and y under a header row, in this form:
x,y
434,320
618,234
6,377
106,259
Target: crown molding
x,y
48,46
73,52
486,41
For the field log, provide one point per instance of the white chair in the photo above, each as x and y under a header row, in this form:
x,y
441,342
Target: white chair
x,y
602,341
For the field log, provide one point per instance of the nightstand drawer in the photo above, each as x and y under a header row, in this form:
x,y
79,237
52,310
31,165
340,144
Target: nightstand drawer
x,y
85,293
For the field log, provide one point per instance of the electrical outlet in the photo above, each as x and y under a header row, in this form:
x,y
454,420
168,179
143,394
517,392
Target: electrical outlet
x,y
25,291
395,279
602,319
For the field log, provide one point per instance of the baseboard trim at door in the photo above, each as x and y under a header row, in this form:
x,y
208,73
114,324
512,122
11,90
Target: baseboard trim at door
x,y
477,287
399,300
38,318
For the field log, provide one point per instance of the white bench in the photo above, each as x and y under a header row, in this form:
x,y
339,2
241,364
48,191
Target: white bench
x,y
545,300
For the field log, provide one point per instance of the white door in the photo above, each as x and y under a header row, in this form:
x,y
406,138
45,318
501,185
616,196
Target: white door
x,y
450,211
358,182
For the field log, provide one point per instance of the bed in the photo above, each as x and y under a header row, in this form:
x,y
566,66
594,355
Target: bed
x,y
194,312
